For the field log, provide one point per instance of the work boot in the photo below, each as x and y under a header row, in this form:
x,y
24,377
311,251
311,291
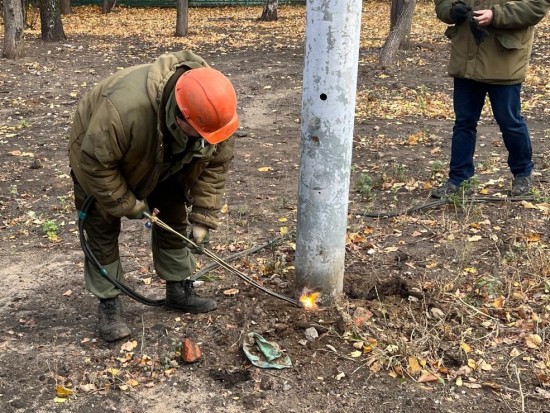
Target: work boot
x,y
521,185
181,296
449,189
445,190
111,325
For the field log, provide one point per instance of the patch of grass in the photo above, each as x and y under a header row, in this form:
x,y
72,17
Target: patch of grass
x,y
50,229
363,185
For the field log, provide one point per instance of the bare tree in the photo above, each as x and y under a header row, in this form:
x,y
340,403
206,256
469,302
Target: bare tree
x,y
269,13
397,34
13,29
182,11
66,7
107,6
51,26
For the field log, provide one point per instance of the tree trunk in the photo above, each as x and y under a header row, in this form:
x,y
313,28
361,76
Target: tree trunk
x,y
13,29
270,11
182,11
51,26
66,7
396,36
397,7
107,6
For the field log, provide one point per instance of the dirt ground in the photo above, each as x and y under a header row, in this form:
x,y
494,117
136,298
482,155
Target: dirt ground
x,y
446,309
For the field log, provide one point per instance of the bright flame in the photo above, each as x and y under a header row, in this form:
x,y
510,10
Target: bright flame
x,y
309,300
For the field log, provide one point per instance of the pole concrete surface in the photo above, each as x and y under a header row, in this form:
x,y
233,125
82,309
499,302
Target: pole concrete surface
x,y
328,109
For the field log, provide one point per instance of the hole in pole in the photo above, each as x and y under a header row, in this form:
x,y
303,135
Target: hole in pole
x,y
323,96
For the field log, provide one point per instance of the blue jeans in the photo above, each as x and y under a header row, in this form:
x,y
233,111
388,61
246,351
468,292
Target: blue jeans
x,y
468,100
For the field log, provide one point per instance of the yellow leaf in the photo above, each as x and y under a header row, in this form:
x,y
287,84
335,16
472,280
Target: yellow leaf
x,y
282,219
458,381
465,347
113,371
474,238
224,209
132,382
264,169
283,230
60,399
484,191
528,205
355,354
414,365
515,352
470,270
62,391
472,364
230,292
533,341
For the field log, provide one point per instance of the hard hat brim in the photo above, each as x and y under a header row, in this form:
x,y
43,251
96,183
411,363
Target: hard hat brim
x,y
221,134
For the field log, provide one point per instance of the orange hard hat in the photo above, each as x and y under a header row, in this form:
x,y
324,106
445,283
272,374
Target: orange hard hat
x,y
207,100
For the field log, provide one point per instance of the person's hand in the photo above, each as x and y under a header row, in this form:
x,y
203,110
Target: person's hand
x,y
459,12
483,17
137,211
200,235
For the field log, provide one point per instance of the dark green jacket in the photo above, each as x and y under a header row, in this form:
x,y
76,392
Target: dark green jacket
x,y
503,57
119,138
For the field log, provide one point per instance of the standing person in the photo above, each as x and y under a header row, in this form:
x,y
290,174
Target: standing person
x,y
152,136
491,43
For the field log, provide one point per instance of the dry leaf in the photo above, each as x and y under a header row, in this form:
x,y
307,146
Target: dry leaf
x,y
427,377
499,302
62,391
465,347
533,341
231,292
128,346
474,238
414,365
264,169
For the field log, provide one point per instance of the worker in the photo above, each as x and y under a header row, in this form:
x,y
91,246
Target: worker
x,y
151,136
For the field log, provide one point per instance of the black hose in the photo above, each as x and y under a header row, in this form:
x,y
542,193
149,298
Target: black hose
x,y
441,202
88,203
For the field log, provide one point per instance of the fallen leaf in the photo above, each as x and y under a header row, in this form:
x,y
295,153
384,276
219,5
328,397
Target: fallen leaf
x,y
264,169
62,391
533,341
414,365
465,347
128,346
474,238
231,292
427,377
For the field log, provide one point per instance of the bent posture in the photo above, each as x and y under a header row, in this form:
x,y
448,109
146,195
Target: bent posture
x,y
152,136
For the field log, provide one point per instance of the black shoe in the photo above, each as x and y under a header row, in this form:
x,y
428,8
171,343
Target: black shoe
x,y
521,185
181,296
449,189
445,190
111,325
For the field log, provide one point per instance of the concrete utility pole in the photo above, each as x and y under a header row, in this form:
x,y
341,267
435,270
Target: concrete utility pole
x,y
328,109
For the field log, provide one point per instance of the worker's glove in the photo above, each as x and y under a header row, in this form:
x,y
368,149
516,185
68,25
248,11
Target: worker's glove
x,y
479,32
459,12
137,211
200,235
